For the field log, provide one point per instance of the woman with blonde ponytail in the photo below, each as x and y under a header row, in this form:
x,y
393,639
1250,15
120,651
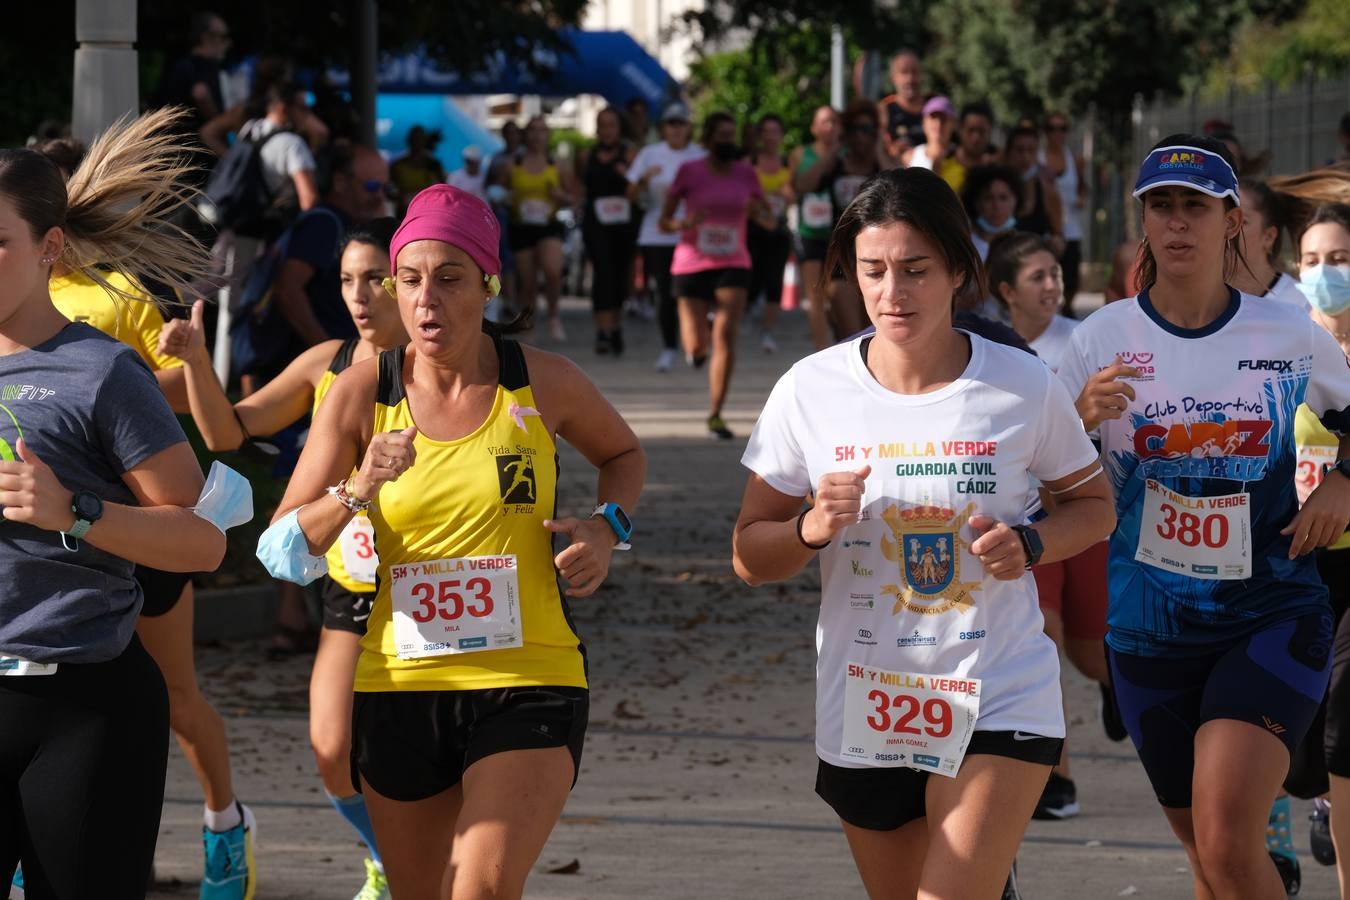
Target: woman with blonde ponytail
x,y
94,471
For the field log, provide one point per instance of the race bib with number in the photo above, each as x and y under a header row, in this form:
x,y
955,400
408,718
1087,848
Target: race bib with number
x,y
718,240
460,605
613,210
1200,537
846,187
817,211
900,719
777,205
19,667
535,212
1313,462
357,542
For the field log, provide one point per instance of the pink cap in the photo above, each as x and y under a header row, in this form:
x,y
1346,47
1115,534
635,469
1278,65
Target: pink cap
x,y
446,213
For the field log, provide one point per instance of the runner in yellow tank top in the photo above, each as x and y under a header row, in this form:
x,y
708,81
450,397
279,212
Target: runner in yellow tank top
x,y
539,186
471,703
348,590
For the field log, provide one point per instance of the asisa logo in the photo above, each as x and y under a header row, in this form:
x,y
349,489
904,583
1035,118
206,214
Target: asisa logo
x,y
1141,362
1181,159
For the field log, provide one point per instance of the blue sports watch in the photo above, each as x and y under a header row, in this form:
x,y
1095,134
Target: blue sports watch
x,y
618,520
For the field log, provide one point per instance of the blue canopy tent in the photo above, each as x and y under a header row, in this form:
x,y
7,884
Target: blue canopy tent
x,y
395,114
608,63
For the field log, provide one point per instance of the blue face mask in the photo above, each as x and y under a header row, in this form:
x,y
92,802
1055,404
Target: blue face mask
x,y
227,498
1327,288
996,229
284,552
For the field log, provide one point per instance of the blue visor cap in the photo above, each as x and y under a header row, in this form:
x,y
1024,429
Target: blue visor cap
x,y
1188,167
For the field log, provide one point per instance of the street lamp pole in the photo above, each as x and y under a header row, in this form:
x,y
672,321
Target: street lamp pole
x,y
105,65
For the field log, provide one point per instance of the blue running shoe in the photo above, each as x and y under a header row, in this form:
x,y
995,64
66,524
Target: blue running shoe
x,y
230,872
16,886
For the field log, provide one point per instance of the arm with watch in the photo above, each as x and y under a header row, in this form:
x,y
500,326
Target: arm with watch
x,y
1325,515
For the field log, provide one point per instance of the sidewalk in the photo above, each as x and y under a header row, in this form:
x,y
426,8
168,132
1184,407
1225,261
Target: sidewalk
x,y
698,775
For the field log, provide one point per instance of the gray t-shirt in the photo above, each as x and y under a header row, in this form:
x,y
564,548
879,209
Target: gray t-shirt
x,y
90,409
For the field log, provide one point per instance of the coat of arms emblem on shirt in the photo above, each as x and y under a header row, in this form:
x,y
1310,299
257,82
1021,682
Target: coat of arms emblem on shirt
x,y
926,543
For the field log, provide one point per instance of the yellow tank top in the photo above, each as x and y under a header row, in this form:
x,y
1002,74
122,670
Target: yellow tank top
x,y
486,494
358,543
532,200
1316,451
771,183
136,324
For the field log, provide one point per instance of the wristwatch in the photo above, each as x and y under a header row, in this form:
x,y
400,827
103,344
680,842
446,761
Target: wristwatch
x,y
1031,544
618,520
1342,466
88,509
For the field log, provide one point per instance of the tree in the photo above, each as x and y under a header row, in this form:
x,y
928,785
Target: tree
x,y
37,40
1282,50
788,75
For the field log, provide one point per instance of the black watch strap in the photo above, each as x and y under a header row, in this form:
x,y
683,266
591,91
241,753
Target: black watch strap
x,y
1031,544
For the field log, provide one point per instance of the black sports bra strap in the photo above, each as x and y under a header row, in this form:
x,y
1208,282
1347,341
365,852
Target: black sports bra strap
x,y
390,390
512,373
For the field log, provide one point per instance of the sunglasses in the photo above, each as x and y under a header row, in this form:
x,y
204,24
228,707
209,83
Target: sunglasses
x,y
1057,128
375,186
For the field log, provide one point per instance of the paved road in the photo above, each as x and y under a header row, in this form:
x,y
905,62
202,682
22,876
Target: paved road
x,y
698,773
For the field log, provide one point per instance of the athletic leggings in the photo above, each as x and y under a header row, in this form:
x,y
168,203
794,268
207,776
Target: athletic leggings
x,y
82,759
610,248
769,251
656,269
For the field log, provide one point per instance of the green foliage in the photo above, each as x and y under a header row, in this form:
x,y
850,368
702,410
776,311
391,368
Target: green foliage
x,y
787,74
1283,50
37,40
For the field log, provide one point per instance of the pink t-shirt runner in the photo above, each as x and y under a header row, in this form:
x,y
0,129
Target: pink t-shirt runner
x,y
723,199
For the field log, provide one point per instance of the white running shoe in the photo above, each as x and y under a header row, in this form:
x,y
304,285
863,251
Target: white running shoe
x,y
556,330
666,361
768,344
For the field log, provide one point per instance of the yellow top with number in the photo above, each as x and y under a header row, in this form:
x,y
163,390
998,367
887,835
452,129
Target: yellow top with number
x,y
136,324
1316,452
463,507
355,539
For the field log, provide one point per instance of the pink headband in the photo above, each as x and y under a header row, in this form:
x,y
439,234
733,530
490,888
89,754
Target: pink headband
x,y
445,213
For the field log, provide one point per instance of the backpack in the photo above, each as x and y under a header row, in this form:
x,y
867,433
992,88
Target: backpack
x,y
237,197
262,342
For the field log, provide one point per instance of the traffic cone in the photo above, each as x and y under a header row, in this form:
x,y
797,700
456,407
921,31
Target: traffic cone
x,y
790,298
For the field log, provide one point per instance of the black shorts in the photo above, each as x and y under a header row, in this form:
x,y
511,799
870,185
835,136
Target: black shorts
x,y
410,745
345,610
811,249
883,799
704,285
1326,746
1273,678
161,589
524,237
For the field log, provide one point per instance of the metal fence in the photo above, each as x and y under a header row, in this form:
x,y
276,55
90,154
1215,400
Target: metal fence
x,y
1297,124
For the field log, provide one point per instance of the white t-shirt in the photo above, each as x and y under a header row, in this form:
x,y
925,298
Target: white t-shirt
x,y
1067,185
1054,341
282,156
474,184
1286,290
659,154
937,459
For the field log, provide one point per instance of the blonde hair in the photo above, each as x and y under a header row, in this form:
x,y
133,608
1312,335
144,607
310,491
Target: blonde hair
x,y
119,209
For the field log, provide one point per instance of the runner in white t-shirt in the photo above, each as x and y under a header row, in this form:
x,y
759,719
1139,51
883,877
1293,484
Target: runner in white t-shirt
x,y
1219,627
919,445
650,175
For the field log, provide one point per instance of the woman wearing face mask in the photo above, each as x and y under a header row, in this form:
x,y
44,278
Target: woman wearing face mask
x,y
650,175
1324,278
348,589
990,198
1039,208
606,226
861,159
1220,631
711,266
